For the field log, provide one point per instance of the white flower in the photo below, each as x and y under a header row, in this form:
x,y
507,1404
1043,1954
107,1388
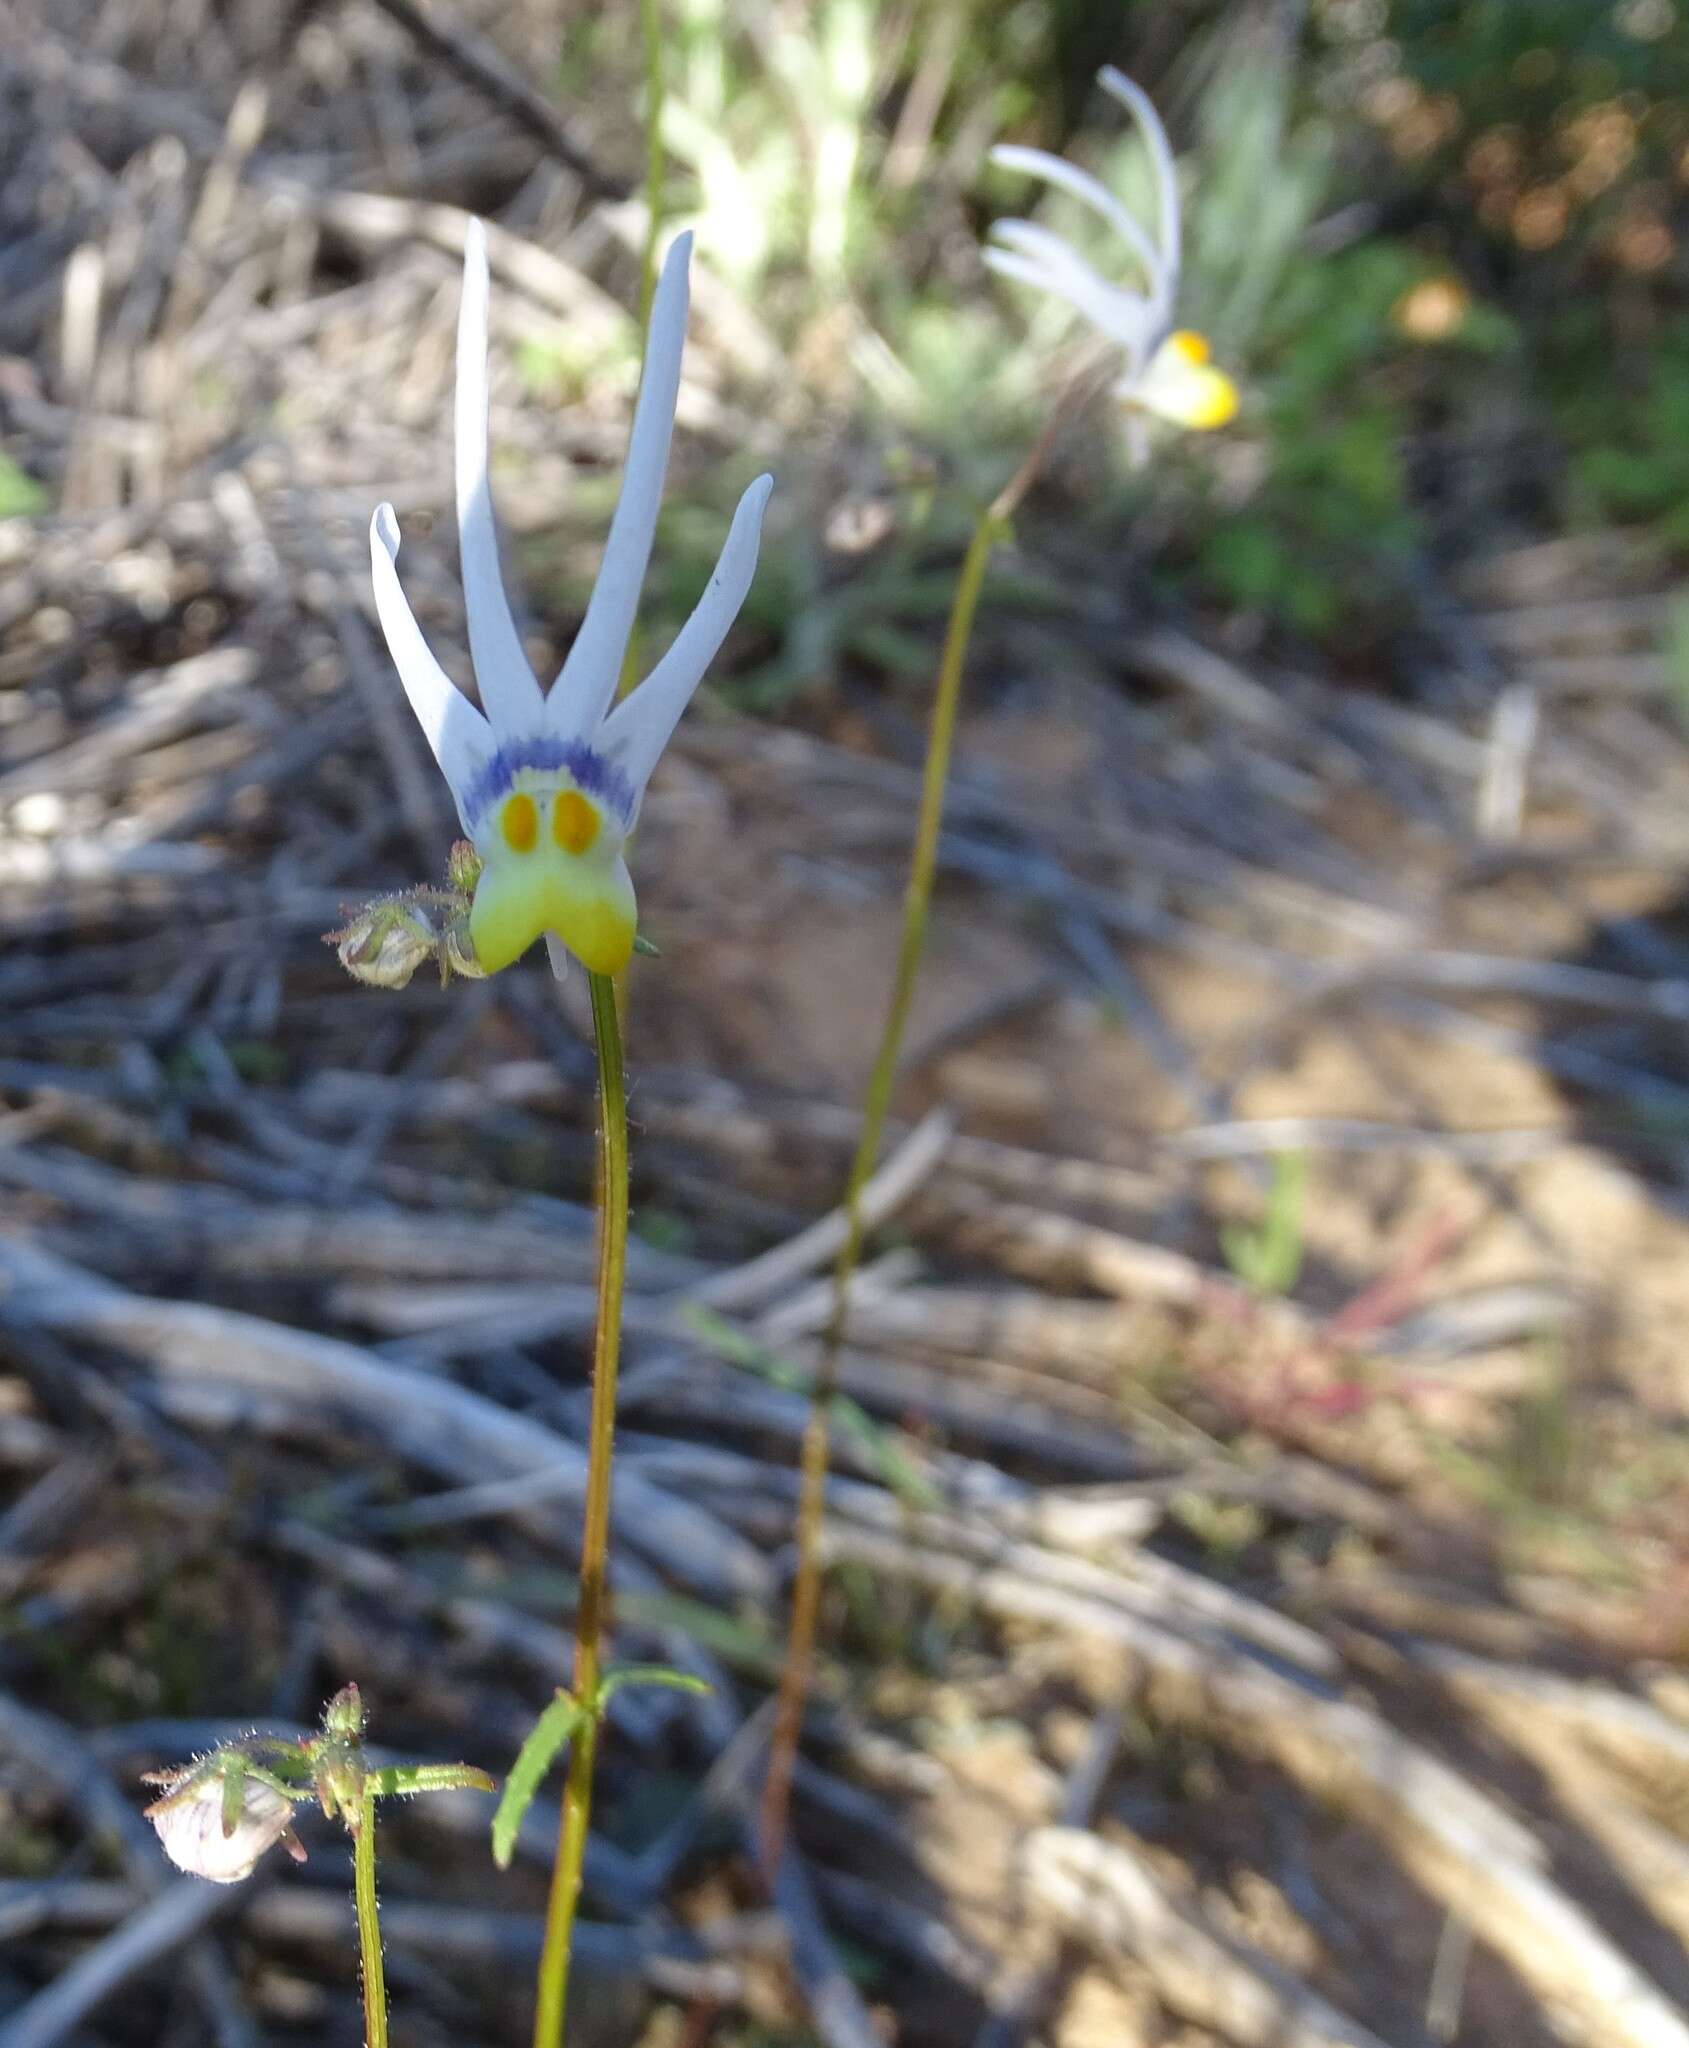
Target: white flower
x,y
548,784
189,1822
1167,370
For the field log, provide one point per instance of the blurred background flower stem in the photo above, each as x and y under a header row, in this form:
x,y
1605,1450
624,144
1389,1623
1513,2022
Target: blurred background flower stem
x,y
991,527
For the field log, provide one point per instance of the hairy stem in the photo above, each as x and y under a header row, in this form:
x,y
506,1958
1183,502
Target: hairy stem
x,y
369,1925
917,897
595,1545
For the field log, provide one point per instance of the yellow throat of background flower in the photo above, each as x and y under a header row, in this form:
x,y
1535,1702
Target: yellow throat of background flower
x,y
1181,384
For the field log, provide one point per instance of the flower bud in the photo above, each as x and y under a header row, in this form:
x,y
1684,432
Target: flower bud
x,y
386,942
463,867
343,1717
189,1821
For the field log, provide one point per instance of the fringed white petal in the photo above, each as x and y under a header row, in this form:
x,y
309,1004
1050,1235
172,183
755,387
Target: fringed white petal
x,y
1132,96
636,732
509,692
1066,177
586,683
459,736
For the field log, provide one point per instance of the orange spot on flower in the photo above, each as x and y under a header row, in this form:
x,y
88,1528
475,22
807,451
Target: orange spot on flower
x,y
520,822
1190,346
574,822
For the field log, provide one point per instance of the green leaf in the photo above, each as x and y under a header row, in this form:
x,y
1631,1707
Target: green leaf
x,y
551,1734
883,1448
649,1674
403,1780
1268,1258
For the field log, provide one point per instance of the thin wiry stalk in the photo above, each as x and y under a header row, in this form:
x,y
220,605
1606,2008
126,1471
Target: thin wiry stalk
x,y
993,526
806,1586
595,1544
369,1926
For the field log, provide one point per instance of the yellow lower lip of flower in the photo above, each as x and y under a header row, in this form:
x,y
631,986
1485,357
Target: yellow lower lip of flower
x,y
1183,386
520,897
1210,400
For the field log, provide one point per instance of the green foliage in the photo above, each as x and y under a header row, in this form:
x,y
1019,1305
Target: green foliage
x,y
662,1676
788,151
1323,542
553,1732
550,1735
1263,177
1556,130
1628,428
21,497
1268,1256
1526,77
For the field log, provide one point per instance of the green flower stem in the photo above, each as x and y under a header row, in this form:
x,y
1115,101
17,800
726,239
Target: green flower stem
x,y
369,1926
993,526
923,860
595,1544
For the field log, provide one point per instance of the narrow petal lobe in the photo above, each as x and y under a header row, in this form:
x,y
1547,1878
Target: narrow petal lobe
x,y
1038,163
455,730
1124,316
508,689
1132,96
636,732
586,683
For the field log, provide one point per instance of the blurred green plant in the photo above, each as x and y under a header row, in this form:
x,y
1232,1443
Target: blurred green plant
x,y
827,603
1226,1530
1548,138
882,1449
1267,1256
1324,541
834,164
1553,121
21,497
1628,430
